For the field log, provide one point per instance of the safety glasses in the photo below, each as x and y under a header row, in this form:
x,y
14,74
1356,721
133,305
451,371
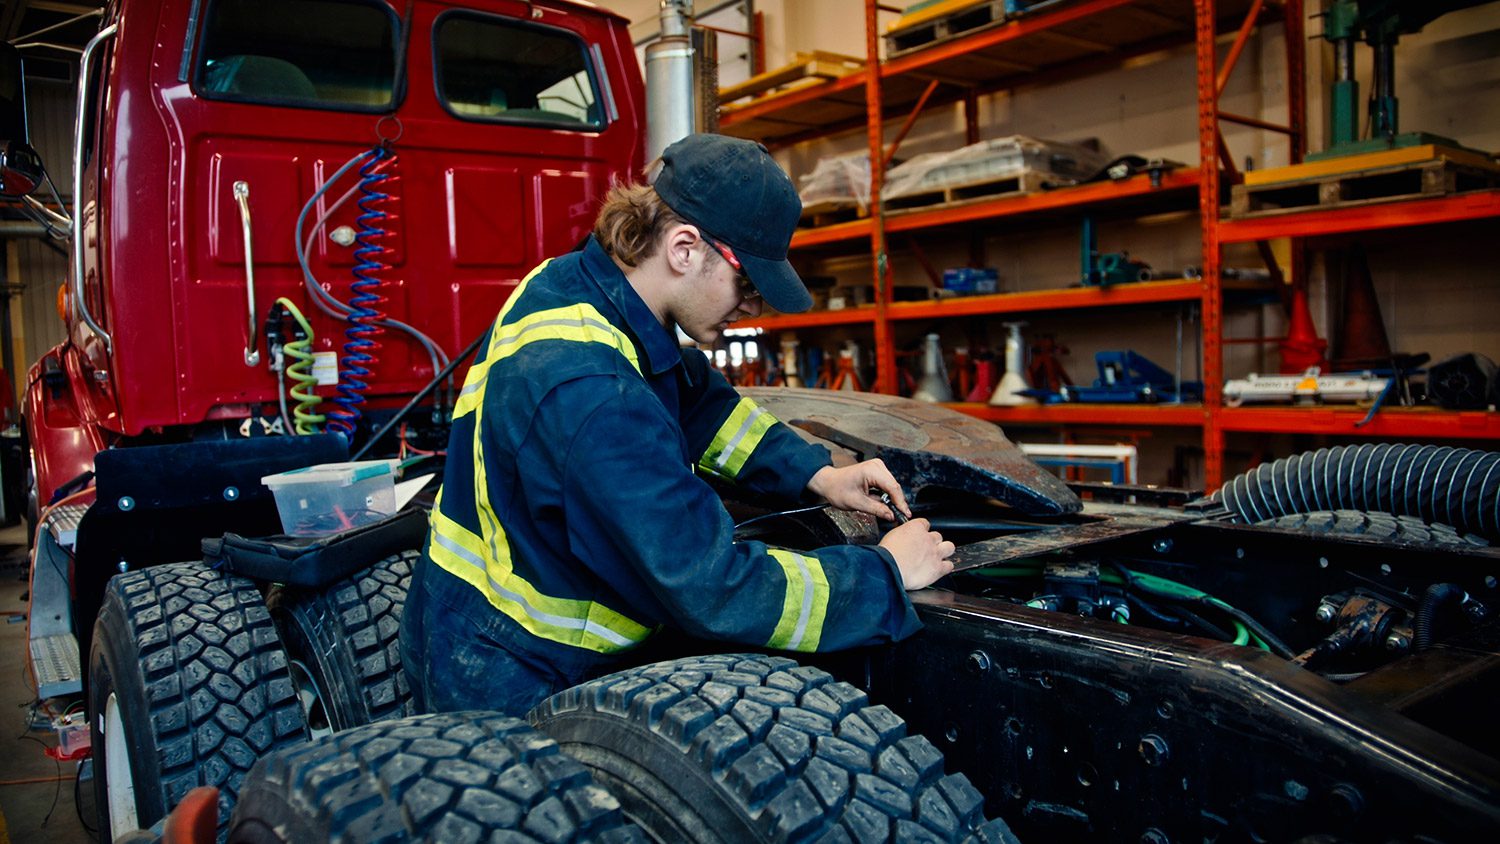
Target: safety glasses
x,y
742,281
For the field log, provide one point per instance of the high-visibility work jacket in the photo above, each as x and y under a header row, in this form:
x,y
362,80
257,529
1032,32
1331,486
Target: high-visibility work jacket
x,y
573,501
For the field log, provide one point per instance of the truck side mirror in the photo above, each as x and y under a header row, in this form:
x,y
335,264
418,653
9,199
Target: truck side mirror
x,y
20,166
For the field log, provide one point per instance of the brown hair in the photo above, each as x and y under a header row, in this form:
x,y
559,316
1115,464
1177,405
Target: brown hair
x,y
632,220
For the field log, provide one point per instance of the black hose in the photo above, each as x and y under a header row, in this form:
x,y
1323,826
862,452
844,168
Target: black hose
x,y
1441,484
1205,625
422,394
1436,602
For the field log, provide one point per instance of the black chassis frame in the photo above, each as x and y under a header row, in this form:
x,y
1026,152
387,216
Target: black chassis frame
x,y
1076,728
1072,728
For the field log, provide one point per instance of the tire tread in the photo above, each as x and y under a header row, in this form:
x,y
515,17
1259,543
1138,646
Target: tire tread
x,y
800,755
215,676
448,777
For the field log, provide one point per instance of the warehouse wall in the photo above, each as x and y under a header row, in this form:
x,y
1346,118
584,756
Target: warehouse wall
x,y
33,268
1437,287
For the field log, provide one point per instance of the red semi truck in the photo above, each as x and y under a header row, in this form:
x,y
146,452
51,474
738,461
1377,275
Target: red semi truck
x,y
287,209
290,219
407,161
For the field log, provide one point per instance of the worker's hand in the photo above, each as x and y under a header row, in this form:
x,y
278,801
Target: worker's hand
x,y
848,488
921,553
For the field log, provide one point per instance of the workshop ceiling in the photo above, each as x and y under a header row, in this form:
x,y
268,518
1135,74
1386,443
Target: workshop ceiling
x,y
50,33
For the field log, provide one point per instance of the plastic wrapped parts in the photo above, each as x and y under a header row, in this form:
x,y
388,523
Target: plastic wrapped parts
x,y
1015,164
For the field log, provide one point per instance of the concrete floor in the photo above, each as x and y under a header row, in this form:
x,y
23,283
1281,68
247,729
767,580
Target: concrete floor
x,y
36,793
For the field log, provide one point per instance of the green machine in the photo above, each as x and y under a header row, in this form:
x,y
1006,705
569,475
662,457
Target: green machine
x,y
1379,23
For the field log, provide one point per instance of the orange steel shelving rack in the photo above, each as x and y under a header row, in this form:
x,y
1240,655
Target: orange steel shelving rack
x,y
1077,40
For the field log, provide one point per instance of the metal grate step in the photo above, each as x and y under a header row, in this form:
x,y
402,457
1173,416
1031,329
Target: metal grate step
x,y
54,658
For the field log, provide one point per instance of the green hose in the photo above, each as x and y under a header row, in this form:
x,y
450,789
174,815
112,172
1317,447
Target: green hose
x,y
1150,583
300,351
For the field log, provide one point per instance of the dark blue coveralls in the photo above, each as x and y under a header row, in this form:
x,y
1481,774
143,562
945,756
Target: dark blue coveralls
x,y
572,522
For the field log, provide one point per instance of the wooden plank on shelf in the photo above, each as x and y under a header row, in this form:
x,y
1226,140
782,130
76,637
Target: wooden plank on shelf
x,y
830,212
942,22
1364,161
804,66
1437,176
1015,184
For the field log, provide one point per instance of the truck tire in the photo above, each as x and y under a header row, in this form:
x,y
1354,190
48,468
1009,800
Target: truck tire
x,y
453,777
745,747
188,686
1384,526
344,645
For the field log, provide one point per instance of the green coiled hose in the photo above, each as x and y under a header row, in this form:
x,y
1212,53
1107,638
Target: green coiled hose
x,y
304,419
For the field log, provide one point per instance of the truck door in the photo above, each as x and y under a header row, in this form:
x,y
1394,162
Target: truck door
x,y
503,132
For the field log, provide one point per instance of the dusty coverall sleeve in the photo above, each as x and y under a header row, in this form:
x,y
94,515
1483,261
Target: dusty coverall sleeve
x,y
730,437
631,499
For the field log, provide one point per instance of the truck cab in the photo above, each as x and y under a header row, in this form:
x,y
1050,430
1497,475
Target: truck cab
x,y
389,171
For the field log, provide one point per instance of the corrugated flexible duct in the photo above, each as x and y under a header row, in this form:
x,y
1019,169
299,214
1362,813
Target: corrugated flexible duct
x,y
1453,486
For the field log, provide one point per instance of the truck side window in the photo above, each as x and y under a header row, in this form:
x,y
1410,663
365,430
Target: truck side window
x,y
492,68
337,54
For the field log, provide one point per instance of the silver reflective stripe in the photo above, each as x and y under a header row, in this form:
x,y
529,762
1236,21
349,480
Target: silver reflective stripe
x,y
546,618
808,588
475,386
547,323
739,437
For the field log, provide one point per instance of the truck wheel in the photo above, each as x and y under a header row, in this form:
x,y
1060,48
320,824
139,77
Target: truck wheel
x,y
743,747
466,776
188,686
343,643
1384,526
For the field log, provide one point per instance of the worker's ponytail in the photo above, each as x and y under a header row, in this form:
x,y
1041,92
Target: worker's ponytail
x,y
632,220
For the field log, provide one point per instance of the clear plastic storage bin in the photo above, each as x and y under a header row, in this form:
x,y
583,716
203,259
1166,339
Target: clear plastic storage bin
x,y
331,497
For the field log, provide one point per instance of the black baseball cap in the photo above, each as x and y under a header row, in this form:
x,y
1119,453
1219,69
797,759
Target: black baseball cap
x,y
738,195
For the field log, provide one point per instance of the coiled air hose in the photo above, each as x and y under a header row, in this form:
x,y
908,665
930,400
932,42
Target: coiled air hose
x,y
300,372
324,300
1453,486
365,317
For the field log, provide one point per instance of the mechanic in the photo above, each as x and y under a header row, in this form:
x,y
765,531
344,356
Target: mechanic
x,y
571,524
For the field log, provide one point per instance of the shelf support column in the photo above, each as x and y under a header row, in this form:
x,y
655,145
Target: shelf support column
x,y
1208,212
885,349
1296,77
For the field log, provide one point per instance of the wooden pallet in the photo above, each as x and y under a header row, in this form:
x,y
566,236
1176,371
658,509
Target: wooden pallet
x,y
804,66
828,213
940,22
1415,173
1026,181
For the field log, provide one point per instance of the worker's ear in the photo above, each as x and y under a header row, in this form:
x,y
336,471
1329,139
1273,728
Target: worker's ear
x,y
680,243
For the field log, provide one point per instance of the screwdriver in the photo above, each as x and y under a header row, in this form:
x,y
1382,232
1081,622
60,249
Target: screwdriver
x,y
885,498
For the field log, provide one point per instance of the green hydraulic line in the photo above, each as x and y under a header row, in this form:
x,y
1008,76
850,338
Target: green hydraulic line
x,y
1242,634
1150,583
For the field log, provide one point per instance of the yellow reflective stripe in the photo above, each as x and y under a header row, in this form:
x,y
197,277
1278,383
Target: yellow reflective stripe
x,y
736,440
805,605
474,380
484,560
584,624
574,323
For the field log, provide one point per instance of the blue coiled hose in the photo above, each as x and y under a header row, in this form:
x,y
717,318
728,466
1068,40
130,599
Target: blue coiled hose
x,y
362,348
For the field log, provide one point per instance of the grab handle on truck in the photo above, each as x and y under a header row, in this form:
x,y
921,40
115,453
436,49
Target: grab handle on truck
x,y
79,145
252,346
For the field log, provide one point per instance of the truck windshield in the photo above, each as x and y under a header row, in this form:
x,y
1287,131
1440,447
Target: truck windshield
x,y
336,54
491,68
